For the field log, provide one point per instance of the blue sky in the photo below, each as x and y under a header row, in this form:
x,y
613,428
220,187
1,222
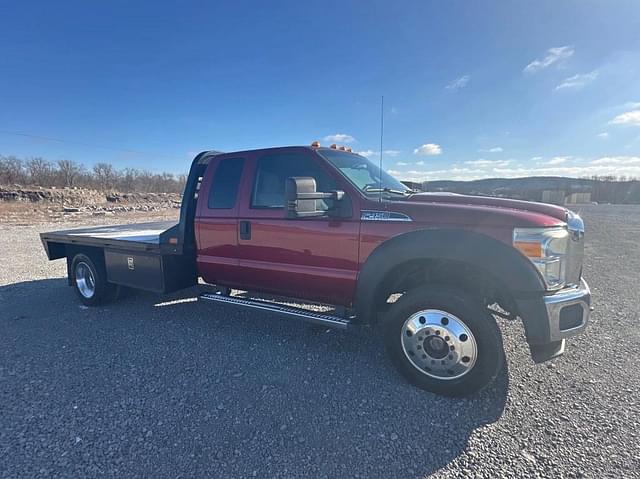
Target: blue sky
x,y
472,89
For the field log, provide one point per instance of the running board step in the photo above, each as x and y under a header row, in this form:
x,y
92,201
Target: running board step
x,y
288,311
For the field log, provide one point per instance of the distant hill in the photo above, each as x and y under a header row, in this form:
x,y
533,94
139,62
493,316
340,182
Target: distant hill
x,y
543,188
508,184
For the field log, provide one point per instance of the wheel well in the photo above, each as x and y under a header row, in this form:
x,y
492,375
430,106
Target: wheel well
x,y
96,255
459,275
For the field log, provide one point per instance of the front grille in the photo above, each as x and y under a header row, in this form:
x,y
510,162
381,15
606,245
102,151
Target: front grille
x,y
575,252
575,256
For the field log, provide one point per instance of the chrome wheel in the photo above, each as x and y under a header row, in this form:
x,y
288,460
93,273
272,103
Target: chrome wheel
x,y
439,344
85,282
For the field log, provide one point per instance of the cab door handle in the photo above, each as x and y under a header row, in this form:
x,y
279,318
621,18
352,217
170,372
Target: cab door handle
x,y
245,230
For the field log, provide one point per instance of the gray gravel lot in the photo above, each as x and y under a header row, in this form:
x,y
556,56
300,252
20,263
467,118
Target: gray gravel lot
x,y
171,387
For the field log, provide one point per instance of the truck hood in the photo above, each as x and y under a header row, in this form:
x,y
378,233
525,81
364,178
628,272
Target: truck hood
x,y
489,210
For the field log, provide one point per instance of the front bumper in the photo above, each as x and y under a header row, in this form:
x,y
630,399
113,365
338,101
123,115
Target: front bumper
x,y
568,311
550,319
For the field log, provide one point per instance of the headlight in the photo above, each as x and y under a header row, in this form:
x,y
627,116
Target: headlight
x,y
547,250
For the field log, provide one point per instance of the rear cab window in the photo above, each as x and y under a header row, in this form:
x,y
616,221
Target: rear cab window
x,y
225,184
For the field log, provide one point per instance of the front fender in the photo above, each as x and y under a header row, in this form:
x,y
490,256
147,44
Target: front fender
x,y
504,262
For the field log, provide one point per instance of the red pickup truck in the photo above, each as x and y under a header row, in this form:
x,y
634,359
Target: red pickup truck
x,y
325,225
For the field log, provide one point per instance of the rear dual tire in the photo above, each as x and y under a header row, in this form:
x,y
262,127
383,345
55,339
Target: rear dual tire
x,y
89,278
443,341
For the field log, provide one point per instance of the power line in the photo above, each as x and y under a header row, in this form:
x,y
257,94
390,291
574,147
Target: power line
x,y
80,143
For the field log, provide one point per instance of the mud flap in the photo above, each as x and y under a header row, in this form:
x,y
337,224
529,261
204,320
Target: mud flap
x,y
544,352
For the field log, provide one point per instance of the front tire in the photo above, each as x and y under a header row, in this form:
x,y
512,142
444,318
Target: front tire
x,y
90,281
443,341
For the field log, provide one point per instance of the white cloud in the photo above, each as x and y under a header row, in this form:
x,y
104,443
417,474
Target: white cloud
x,y
367,153
617,160
374,153
536,158
628,118
578,81
558,160
554,55
481,162
604,135
495,149
340,138
455,173
401,163
458,83
428,149
420,163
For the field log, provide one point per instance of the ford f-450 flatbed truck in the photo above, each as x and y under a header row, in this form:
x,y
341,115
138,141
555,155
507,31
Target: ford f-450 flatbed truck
x,y
324,225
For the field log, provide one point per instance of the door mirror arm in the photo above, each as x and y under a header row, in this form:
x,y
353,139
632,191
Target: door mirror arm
x,y
331,195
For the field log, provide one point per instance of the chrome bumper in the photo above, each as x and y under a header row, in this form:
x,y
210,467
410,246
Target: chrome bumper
x,y
568,311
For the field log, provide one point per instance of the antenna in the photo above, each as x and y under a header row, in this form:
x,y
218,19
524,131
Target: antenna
x,y
381,134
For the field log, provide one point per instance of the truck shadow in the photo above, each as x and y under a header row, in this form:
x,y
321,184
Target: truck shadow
x,y
240,391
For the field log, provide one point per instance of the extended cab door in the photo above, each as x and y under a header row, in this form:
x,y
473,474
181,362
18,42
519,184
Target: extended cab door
x,y
217,220
311,258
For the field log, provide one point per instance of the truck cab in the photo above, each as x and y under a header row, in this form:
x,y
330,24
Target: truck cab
x,y
431,272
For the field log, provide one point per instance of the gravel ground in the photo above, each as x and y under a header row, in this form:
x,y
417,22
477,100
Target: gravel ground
x,y
171,387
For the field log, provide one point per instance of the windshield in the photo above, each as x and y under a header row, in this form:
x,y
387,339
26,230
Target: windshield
x,y
363,173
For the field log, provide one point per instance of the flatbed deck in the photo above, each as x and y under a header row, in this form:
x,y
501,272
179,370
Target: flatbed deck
x,y
138,236
140,255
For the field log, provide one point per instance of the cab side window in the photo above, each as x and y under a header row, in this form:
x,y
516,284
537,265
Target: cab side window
x,y
226,181
272,173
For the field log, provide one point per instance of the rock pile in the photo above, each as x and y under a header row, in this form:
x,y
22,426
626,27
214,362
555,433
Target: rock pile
x,y
78,200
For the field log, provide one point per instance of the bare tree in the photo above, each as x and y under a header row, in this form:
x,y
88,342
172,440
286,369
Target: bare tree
x,y
40,171
182,181
127,180
12,170
105,176
69,171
